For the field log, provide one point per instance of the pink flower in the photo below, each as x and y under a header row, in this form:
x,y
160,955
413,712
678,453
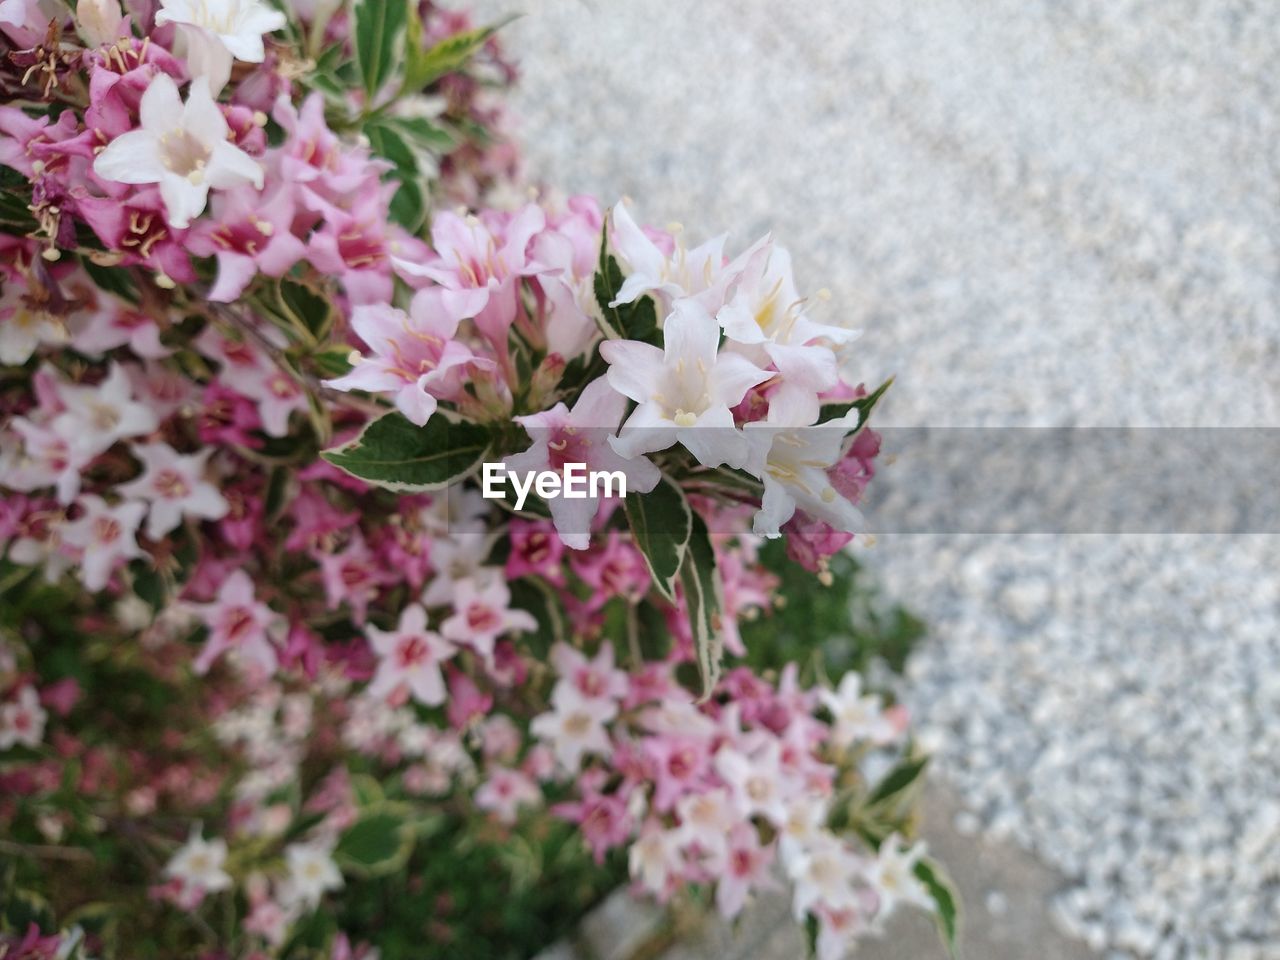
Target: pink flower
x,y
249,234
594,679
173,485
576,727
136,229
22,720
352,577
326,173
680,764
603,819
105,536
415,358
410,656
744,867
536,550
505,791
478,262
755,780
615,569
581,436
116,324
482,614
354,245
240,623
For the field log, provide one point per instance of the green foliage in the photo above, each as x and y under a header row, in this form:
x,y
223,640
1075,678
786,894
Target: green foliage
x,y
661,523
379,40
864,406
424,67
628,321
395,454
377,844
701,584
945,899
828,630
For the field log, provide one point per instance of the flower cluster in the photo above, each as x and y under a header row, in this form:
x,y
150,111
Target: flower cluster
x,y
265,647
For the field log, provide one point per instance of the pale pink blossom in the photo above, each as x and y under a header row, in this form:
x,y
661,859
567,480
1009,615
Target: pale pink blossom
x,y
505,792
410,656
174,486
238,623
482,614
106,536
22,720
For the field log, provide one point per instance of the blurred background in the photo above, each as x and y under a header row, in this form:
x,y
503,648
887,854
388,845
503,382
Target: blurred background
x,y
1042,214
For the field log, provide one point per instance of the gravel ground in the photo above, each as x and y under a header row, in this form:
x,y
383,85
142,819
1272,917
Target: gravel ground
x,y
1046,213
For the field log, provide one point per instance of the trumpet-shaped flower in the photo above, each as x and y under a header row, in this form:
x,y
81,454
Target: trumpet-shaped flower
x,y
483,614
414,356
97,416
22,720
238,622
575,728
410,656
216,32
174,487
892,876
200,863
699,274
581,436
767,323
684,390
857,716
792,456
106,535
312,873
182,147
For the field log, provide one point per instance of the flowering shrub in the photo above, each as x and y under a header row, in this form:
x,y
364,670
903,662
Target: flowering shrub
x,y
276,679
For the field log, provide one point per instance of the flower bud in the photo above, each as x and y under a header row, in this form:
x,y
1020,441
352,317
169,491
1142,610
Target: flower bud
x,y
98,21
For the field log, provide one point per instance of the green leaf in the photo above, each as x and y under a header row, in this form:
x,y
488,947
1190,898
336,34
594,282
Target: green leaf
x,y
701,585
864,406
535,596
423,134
307,307
946,901
395,454
377,844
379,40
450,54
661,523
898,780
386,141
637,320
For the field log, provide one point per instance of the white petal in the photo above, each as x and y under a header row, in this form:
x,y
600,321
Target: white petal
x,y
183,200
132,157
201,116
635,369
161,107
229,166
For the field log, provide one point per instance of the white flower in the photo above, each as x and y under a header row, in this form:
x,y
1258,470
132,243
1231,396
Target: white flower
x,y
856,717
24,326
199,863
106,535
655,858
823,875
792,455
182,147
575,728
22,720
755,781
96,417
174,486
312,873
700,274
99,21
684,390
216,32
766,321
892,876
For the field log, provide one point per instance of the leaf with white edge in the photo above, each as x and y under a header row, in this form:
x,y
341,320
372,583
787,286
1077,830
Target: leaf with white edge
x,y
898,780
423,134
395,454
864,406
450,54
946,902
637,320
377,844
701,583
379,40
661,524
